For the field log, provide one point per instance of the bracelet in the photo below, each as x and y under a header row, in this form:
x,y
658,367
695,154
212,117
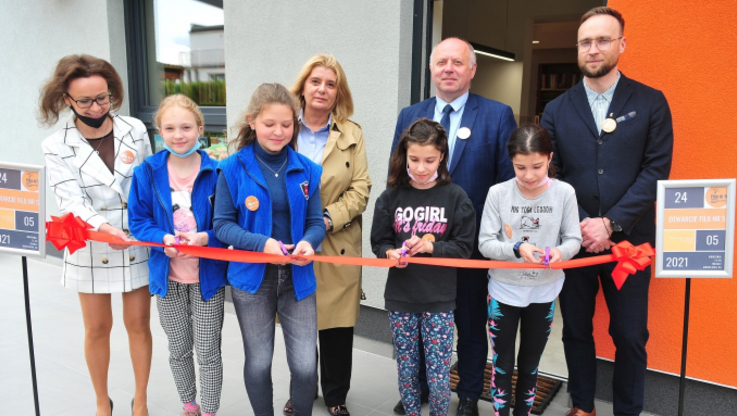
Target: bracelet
x,y
605,227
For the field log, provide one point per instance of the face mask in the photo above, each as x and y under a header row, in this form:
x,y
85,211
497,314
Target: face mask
x,y
189,152
95,123
432,178
545,181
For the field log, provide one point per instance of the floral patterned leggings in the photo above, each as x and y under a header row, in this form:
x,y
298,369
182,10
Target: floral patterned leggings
x,y
536,322
437,338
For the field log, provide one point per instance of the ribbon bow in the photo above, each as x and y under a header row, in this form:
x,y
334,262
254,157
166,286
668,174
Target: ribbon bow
x,y
630,259
67,231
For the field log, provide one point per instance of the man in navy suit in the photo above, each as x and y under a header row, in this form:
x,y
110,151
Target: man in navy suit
x,y
478,132
612,141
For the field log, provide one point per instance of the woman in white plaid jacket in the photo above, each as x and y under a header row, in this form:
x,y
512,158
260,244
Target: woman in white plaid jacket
x,y
89,163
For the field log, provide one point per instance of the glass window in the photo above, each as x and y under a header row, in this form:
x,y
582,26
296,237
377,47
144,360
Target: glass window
x,y
188,50
177,47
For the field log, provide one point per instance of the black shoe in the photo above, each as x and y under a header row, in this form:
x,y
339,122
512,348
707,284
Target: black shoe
x,y
339,411
467,407
399,408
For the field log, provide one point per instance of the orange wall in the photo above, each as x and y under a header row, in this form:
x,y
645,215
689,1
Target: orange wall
x,y
688,50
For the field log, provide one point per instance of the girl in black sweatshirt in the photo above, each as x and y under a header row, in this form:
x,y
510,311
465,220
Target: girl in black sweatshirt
x,y
421,213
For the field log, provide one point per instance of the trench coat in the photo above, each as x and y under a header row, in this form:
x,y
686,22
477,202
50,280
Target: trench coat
x,y
344,190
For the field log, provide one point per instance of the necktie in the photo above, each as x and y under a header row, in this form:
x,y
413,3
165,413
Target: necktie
x,y
445,120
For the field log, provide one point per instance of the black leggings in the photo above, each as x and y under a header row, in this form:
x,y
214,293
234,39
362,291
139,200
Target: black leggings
x,y
537,319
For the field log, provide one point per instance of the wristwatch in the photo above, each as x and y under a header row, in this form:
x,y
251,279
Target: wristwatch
x,y
330,220
516,249
615,227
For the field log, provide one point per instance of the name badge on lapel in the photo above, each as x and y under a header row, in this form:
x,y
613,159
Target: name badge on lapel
x,y
463,133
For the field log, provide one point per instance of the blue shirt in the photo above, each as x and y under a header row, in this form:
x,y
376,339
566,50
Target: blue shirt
x,y
312,143
600,103
455,118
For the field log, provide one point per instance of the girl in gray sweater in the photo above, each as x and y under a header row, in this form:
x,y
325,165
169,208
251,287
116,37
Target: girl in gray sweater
x,y
530,218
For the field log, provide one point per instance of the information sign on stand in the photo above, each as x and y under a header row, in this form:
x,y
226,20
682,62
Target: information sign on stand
x,y
695,238
695,229
22,213
23,230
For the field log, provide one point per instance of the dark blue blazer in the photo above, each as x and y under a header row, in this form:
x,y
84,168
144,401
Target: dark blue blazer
x,y
481,160
614,174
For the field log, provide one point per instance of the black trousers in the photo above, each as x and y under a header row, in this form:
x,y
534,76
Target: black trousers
x,y
336,360
628,310
534,322
473,342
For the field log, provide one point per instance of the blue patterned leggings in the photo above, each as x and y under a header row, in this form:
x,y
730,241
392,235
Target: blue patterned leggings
x,y
437,338
536,321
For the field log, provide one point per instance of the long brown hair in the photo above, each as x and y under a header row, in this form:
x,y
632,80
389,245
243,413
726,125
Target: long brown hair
x,y
265,95
424,132
531,139
69,68
343,108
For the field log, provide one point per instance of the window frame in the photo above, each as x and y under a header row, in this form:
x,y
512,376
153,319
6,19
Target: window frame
x,y
138,80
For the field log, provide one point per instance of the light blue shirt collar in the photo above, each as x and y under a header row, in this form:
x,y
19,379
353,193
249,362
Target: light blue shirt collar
x,y
607,95
457,104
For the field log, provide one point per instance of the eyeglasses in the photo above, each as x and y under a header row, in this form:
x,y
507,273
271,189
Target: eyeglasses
x,y
87,102
602,44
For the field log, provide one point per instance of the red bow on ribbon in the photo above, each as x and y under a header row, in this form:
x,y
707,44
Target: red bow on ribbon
x,y
630,259
67,231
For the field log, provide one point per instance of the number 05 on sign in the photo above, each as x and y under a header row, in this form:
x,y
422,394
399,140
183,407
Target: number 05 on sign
x,y
695,228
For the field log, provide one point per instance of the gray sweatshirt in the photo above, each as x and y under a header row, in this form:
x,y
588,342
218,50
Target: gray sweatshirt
x,y
550,220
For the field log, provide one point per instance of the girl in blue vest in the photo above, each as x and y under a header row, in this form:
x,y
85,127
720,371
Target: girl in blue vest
x,y
268,200
169,203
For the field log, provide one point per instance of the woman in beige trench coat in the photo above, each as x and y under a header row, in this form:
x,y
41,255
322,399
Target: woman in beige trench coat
x,y
331,140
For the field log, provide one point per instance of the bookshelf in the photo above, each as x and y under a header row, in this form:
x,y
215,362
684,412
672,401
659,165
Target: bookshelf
x,y
552,81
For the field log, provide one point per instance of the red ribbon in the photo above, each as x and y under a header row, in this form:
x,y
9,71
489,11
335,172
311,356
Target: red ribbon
x,y
630,259
67,231
73,233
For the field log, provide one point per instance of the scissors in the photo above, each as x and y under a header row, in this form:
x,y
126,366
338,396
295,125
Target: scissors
x,y
546,260
283,248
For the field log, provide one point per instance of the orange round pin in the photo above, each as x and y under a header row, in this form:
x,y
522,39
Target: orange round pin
x,y
429,237
127,157
508,230
252,203
30,181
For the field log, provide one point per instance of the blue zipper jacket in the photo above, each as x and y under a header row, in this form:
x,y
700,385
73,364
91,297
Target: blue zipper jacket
x,y
150,218
244,179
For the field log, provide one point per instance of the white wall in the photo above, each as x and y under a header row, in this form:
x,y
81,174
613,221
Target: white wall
x,y
270,41
34,35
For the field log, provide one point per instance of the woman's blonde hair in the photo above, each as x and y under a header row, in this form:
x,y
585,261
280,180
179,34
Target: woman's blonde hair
x,y
69,68
343,108
182,101
265,95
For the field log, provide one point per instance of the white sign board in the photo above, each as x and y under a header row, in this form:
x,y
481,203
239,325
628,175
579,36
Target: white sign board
x,y
695,228
22,209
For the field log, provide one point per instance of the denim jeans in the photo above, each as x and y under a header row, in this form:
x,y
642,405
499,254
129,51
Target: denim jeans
x,y
257,319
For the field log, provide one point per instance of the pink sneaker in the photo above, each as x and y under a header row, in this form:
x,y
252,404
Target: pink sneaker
x,y
191,411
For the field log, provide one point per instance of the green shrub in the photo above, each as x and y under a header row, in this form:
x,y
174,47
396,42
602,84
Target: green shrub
x,y
202,92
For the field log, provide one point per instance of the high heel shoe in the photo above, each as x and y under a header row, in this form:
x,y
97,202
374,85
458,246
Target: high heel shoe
x,y
111,406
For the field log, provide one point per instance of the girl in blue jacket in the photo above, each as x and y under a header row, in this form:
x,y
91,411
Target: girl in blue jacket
x,y
170,202
268,200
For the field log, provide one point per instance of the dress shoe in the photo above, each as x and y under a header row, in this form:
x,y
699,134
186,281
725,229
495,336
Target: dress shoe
x,y
399,408
468,407
578,412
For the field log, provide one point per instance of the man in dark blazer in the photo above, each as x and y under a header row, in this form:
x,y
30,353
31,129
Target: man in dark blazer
x,y
612,141
478,132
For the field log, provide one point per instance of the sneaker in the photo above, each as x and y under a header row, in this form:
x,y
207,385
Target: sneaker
x,y
193,411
